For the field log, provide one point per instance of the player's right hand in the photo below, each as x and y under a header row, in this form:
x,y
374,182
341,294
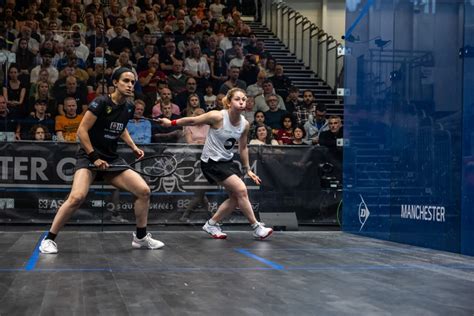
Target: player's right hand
x,y
164,122
101,164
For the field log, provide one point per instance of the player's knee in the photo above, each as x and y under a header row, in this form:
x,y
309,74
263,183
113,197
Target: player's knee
x,y
76,199
143,193
241,193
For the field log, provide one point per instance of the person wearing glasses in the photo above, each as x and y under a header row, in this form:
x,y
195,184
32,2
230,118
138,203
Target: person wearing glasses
x,y
315,125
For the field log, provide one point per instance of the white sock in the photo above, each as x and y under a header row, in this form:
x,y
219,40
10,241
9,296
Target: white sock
x,y
212,222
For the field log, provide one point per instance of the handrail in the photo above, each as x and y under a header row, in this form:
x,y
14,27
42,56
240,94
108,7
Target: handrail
x,y
311,45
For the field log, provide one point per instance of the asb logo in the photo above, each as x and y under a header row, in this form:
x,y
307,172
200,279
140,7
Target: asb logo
x,y
364,212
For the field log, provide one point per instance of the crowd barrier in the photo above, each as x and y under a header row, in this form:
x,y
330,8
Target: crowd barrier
x,y
35,179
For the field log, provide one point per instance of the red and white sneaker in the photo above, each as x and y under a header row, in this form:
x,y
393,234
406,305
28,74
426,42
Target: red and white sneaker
x,y
260,231
214,230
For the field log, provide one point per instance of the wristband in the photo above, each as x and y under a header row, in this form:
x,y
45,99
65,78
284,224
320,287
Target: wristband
x,y
93,156
174,123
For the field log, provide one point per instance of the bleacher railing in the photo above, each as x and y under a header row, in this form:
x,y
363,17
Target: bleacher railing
x,y
314,47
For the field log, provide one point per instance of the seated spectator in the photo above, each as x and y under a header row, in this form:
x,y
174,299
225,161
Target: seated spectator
x,y
137,37
66,125
192,105
100,58
139,128
258,120
112,32
143,61
260,101
261,137
117,44
314,126
39,133
251,46
270,67
330,138
217,105
280,81
256,89
238,60
124,61
170,56
73,90
196,66
209,51
263,55
274,114
216,9
14,91
148,39
219,69
9,119
42,92
293,99
150,77
233,81
25,61
70,57
298,136
25,33
186,45
249,112
165,99
231,53
191,88
170,134
250,70
98,76
80,49
209,96
53,74
40,116
284,135
97,38
177,80
305,108
196,134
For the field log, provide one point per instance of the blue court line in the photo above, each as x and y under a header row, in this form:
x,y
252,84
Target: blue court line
x,y
348,249
262,260
325,267
35,255
363,12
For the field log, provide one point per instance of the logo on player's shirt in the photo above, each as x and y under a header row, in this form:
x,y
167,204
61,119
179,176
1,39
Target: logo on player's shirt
x,y
108,109
93,105
114,126
229,143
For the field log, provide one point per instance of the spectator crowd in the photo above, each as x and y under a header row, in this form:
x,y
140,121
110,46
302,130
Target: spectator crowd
x,y
57,56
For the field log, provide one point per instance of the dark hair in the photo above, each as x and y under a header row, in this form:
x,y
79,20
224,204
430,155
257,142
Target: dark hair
x,y
301,128
285,116
117,73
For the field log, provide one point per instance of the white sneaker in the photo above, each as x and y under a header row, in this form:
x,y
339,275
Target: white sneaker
x,y
261,231
146,242
48,246
214,230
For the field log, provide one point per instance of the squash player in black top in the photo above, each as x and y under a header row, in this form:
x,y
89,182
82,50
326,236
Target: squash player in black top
x,y
99,132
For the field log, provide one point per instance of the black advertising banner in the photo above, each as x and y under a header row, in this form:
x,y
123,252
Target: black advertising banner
x,y
35,179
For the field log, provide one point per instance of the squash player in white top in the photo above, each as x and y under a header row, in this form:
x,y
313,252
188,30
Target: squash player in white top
x,y
227,127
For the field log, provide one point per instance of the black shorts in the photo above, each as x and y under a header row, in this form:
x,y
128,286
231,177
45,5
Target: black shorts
x,y
218,171
84,162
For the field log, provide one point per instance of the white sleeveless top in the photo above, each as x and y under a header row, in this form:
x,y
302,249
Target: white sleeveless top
x,y
220,142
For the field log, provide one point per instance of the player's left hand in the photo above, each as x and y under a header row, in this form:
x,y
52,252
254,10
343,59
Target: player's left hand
x,y
254,177
138,153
